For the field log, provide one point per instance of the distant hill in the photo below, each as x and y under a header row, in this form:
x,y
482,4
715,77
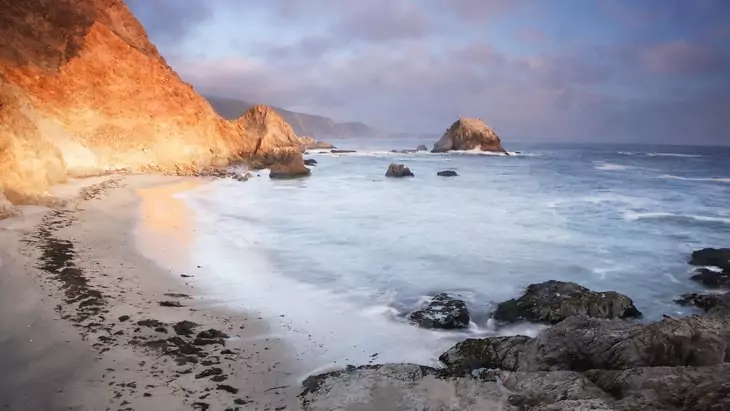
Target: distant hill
x,y
303,124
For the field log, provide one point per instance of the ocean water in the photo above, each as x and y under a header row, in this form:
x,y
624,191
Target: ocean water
x,y
337,260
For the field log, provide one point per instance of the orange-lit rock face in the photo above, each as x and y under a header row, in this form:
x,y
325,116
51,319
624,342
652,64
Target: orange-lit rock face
x,y
83,91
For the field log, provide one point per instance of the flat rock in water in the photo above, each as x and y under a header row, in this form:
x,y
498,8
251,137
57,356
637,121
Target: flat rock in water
x,y
447,173
716,257
553,301
343,151
711,278
415,387
398,170
582,343
442,312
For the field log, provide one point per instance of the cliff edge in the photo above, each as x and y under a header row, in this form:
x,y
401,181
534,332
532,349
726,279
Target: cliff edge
x,y
83,91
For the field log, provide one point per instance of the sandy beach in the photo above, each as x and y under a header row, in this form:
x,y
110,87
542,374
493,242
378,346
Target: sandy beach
x,y
99,309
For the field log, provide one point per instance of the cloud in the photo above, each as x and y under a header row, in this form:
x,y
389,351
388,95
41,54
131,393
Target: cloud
x,y
170,20
682,58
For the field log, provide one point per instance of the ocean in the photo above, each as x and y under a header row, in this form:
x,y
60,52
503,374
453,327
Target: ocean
x,y
335,261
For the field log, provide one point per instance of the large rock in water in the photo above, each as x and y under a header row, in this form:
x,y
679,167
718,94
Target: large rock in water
x,y
83,91
398,170
553,301
289,168
718,257
469,134
442,312
415,387
582,343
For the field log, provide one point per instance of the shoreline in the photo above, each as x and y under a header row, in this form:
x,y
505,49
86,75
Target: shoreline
x,y
92,272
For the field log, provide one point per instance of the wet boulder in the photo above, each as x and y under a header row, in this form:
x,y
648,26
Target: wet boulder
x,y
706,302
442,312
291,168
716,257
398,170
712,278
310,162
553,301
447,173
422,147
583,343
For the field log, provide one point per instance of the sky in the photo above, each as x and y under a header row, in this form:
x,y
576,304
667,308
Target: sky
x,y
642,71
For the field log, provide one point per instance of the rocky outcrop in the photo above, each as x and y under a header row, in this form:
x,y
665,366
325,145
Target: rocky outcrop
x,y
415,387
582,343
275,139
469,134
666,388
712,278
398,170
553,301
442,312
309,143
83,92
706,302
717,257
447,173
292,167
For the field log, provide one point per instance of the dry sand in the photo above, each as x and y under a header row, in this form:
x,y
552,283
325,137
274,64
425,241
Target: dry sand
x,y
75,283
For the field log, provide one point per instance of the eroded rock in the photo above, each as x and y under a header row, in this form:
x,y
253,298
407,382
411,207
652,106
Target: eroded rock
x,y
442,312
290,168
553,301
469,134
398,170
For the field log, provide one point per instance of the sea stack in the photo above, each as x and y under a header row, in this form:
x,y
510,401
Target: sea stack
x,y
83,91
469,134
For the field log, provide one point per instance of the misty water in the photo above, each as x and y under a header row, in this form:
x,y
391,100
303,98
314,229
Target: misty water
x,y
337,260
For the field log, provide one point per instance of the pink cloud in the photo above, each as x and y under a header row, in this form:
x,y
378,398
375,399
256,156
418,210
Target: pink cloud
x,y
681,58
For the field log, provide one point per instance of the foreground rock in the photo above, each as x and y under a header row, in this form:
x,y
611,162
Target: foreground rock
x,y
398,170
415,387
582,343
717,257
447,173
553,301
289,168
667,388
442,312
469,134
309,143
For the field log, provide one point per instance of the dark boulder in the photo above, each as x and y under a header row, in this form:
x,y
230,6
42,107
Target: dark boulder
x,y
422,147
310,162
717,257
712,279
706,302
553,301
342,151
292,168
442,312
582,343
447,173
398,170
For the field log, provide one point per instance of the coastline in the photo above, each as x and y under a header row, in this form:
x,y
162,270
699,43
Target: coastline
x,y
88,273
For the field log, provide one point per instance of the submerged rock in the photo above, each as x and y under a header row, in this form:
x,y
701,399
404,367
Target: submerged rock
x,y
343,151
469,134
415,387
553,301
582,343
712,279
422,147
717,257
310,162
442,312
292,168
398,170
447,173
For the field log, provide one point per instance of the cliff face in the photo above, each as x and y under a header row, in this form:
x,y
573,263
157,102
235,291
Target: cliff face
x,y
83,91
469,134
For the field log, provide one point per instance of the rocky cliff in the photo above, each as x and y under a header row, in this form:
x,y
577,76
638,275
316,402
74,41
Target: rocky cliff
x,y
83,91
469,134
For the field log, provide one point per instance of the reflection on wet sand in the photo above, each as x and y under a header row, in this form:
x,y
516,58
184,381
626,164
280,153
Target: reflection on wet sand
x,y
165,230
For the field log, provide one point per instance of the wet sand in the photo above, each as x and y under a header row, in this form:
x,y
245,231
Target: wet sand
x,y
99,309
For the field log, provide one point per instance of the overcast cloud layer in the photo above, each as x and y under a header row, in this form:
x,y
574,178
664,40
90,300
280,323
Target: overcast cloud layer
x,y
582,70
